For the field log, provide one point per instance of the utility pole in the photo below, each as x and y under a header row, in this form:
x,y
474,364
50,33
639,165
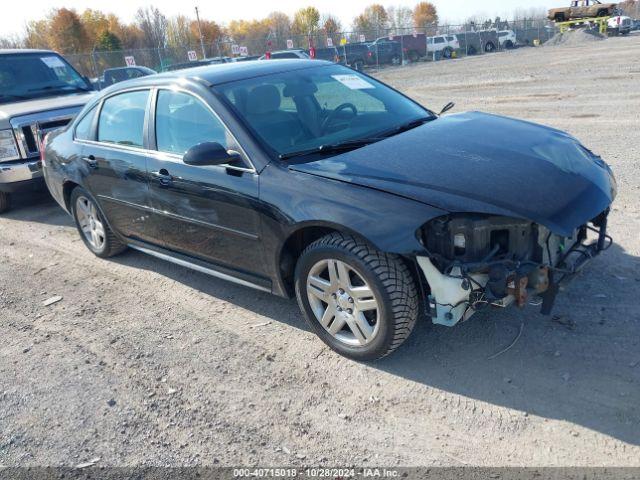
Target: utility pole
x,y
204,53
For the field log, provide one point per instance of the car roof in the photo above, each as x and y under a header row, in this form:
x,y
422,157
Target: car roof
x,y
13,51
227,72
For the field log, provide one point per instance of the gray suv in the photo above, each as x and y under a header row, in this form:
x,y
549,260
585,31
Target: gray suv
x,y
39,92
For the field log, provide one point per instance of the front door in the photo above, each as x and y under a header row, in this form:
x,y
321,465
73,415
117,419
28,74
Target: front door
x,y
208,212
117,163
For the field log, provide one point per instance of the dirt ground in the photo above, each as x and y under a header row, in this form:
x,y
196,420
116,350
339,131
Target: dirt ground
x,y
146,363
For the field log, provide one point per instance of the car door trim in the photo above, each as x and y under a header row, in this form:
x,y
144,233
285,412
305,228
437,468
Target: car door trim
x,y
199,268
213,226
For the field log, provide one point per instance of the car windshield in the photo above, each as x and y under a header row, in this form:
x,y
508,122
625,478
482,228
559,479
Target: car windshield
x,y
25,76
314,108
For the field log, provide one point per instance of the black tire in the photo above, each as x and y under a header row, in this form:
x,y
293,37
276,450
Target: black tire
x,y
489,47
509,45
447,52
413,56
396,60
472,50
358,65
5,202
603,13
111,245
559,17
388,278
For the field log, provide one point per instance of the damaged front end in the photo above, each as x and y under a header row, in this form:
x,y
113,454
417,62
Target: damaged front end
x,y
477,261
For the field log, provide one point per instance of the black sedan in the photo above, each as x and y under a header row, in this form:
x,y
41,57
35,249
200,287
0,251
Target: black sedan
x,y
307,178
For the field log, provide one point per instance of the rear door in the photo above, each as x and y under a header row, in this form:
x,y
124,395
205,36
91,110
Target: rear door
x,y
208,212
116,162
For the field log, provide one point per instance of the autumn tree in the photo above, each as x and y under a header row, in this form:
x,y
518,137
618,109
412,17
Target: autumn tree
x,y
425,15
66,33
374,17
211,31
280,25
400,18
108,42
306,21
37,34
179,32
331,25
153,25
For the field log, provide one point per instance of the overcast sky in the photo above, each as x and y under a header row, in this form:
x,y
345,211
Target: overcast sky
x,y
16,14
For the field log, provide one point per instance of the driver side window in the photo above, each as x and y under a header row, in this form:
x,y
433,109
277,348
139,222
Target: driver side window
x,y
183,121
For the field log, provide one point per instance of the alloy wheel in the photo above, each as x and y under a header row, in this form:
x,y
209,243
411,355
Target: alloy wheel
x,y
90,224
343,302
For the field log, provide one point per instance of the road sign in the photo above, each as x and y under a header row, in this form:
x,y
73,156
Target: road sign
x,y
289,44
192,55
329,42
130,61
362,38
244,51
235,49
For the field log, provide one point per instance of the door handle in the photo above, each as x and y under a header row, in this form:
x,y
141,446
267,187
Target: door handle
x,y
91,161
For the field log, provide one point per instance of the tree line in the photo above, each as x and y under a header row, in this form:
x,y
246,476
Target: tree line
x,y
69,31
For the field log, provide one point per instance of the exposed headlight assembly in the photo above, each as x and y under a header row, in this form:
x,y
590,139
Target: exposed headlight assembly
x,y
8,146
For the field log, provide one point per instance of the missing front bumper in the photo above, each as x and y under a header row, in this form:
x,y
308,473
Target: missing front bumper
x,y
466,288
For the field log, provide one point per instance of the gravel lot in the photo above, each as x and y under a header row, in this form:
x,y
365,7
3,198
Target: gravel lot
x,y
143,362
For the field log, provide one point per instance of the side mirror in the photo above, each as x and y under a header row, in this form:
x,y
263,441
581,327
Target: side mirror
x,y
209,153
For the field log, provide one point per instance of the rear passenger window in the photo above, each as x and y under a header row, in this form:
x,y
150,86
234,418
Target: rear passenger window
x,y
122,119
83,129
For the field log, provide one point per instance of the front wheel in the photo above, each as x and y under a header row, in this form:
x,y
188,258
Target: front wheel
x,y
5,202
361,302
93,228
358,65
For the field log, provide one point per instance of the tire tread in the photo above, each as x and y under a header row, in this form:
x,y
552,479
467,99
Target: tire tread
x,y
394,275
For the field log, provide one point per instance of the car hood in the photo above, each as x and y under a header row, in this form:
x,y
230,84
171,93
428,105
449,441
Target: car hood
x,y
475,162
28,107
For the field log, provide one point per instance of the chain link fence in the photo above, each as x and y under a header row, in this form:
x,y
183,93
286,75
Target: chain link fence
x,y
364,50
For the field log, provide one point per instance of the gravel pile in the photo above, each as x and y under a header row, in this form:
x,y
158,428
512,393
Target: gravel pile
x,y
575,38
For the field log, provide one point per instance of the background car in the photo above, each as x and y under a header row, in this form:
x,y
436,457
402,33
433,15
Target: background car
x,y
356,55
444,45
384,51
507,39
287,54
330,54
620,25
112,76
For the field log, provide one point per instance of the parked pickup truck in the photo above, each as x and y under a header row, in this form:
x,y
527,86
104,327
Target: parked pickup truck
x,y
582,9
39,92
445,45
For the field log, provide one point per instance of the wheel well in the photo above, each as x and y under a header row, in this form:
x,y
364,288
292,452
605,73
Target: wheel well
x,y
293,248
67,188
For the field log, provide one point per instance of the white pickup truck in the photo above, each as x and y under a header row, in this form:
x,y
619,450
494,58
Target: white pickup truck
x,y
620,25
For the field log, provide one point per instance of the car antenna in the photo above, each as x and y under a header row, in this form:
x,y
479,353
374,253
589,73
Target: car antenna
x,y
446,108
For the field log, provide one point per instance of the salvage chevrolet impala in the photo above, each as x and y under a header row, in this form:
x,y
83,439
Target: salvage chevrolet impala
x,y
306,178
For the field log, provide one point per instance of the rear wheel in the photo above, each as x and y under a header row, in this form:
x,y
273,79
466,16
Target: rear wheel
x,y
559,17
447,52
509,45
489,47
358,65
5,202
93,228
361,302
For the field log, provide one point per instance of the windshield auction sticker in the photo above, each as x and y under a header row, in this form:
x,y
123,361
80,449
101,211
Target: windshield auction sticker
x,y
53,62
354,82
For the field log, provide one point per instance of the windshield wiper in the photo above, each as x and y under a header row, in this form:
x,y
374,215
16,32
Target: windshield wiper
x,y
405,127
64,87
332,148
